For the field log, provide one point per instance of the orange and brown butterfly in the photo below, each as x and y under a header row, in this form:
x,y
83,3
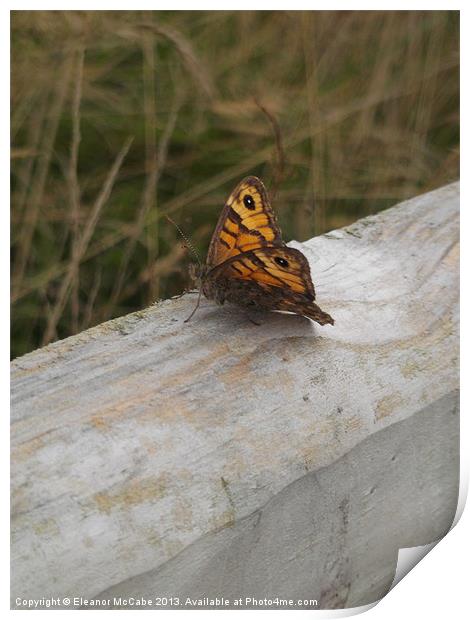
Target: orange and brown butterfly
x,y
249,264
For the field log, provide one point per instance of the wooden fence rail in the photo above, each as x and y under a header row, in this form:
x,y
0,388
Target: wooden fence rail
x,y
222,459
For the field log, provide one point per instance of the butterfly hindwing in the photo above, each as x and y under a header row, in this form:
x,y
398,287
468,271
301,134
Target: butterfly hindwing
x,y
246,223
270,278
280,267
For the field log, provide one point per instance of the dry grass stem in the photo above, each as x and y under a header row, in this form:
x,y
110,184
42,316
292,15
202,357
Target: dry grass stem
x,y
82,244
74,188
39,182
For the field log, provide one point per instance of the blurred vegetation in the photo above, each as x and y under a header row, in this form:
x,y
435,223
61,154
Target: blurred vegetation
x,y
118,118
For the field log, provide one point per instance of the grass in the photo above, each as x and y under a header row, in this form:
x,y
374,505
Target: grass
x,y
119,118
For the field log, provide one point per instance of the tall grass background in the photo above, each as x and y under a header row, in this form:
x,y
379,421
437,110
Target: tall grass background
x,y
119,118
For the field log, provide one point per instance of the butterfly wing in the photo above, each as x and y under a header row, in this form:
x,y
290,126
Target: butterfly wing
x,y
282,267
271,278
247,222
249,264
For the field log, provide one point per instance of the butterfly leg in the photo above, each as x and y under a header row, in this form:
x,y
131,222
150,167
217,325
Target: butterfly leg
x,y
252,320
195,307
185,292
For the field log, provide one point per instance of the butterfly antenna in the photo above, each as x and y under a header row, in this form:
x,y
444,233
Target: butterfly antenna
x,y
189,245
193,251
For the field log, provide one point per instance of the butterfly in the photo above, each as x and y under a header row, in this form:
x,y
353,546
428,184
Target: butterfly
x,y
249,264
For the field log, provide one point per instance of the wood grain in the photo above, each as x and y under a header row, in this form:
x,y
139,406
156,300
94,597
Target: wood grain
x,y
135,439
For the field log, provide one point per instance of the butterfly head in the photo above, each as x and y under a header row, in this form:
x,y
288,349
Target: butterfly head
x,y
197,273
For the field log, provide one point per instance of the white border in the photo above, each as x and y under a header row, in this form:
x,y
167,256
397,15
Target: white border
x,y
439,585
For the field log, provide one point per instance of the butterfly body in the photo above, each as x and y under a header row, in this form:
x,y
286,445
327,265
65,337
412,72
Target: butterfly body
x,y
248,263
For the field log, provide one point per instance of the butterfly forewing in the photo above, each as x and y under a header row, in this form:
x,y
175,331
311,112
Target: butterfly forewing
x,y
247,222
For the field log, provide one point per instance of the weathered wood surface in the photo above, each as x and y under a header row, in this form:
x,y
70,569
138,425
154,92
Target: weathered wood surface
x,y
219,457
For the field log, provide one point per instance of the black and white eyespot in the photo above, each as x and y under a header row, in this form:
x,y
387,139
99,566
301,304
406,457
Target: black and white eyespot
x,y
249,202
282,262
